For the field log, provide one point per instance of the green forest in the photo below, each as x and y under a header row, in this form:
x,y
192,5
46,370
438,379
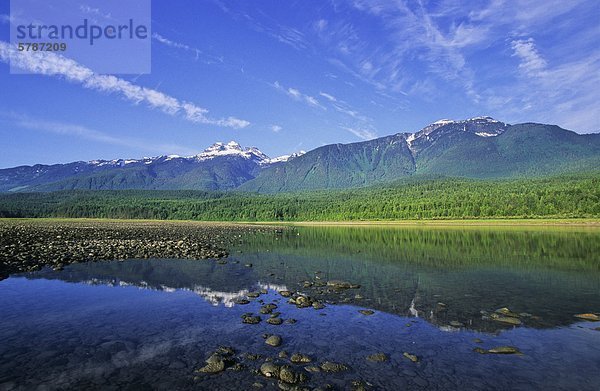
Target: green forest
x,y
575,196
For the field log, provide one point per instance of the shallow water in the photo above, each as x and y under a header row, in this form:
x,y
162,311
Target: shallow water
x,y
143,324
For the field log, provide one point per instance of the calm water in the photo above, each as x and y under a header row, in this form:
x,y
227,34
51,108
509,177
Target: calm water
x,y
149,324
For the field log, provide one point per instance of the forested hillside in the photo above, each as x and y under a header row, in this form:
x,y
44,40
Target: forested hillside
x,y
424,198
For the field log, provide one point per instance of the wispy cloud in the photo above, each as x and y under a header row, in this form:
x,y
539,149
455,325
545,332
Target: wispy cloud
x,y
362,133
177,45
531,61
327,96
83,132
295,94
276,128
51,64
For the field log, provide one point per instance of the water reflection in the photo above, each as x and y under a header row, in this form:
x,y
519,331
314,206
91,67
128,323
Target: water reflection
x,y
452,278
149,324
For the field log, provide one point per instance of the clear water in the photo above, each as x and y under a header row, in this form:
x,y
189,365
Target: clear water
x,y
149,324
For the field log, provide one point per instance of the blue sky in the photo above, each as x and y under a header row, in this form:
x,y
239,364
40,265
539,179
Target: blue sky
x,y
294,75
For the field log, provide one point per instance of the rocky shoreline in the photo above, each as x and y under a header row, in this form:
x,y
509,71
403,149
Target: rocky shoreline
x,y
28,244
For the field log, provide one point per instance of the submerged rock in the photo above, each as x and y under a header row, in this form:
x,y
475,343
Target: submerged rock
x,y
366,312
377,357
288,375
267,308
299,358
275,321
504,350
338,284
249,319
498,350
411,357
273,340
213,367
359,385
506,312
269,369
590,317
252,356
505,319
329,366
283,354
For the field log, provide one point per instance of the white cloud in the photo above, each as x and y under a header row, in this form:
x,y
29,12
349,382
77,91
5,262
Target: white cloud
x,y
329,97
320,25
312,101
276,128
51,64
177,45
531,61
295,94
170,43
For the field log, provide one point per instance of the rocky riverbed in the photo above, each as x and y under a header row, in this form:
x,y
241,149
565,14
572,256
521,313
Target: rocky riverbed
x,y
29,244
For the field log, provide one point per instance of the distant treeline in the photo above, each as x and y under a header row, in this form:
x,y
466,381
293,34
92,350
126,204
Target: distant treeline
x,y
443,198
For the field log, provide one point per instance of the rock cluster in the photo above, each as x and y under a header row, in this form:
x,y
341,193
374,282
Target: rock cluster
x,y
28,245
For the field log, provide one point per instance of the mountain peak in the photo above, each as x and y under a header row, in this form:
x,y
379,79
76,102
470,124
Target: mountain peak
x,y
443,122
232,148
482,126
483,118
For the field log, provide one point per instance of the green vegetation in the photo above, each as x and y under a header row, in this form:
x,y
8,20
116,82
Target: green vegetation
x,y
558,197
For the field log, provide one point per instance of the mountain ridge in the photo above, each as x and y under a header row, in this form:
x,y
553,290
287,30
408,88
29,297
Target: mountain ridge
x,y
478,147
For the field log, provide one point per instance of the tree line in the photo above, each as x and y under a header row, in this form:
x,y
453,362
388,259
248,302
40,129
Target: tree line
x,y
441,198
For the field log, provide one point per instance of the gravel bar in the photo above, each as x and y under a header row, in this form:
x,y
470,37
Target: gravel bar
x,y
30,244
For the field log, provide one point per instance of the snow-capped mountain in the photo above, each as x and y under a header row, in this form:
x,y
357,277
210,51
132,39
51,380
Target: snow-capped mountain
x,y
483,126
220,166
479,147
231,149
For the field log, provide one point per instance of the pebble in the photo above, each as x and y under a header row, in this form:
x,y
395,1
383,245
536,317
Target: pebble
x,y
273,340
275,321
329,366
28,245
299,358
377,357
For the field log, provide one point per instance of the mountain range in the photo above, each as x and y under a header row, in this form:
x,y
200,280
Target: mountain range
x,y
480,147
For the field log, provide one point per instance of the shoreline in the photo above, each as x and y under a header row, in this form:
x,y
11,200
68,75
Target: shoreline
x,y
499,222
30,244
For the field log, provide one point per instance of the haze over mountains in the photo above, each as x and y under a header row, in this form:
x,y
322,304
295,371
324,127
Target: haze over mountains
x,y
480,147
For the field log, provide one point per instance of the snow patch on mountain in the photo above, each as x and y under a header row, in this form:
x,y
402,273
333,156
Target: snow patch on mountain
x,y
285,158
483,126
485,134
219,149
